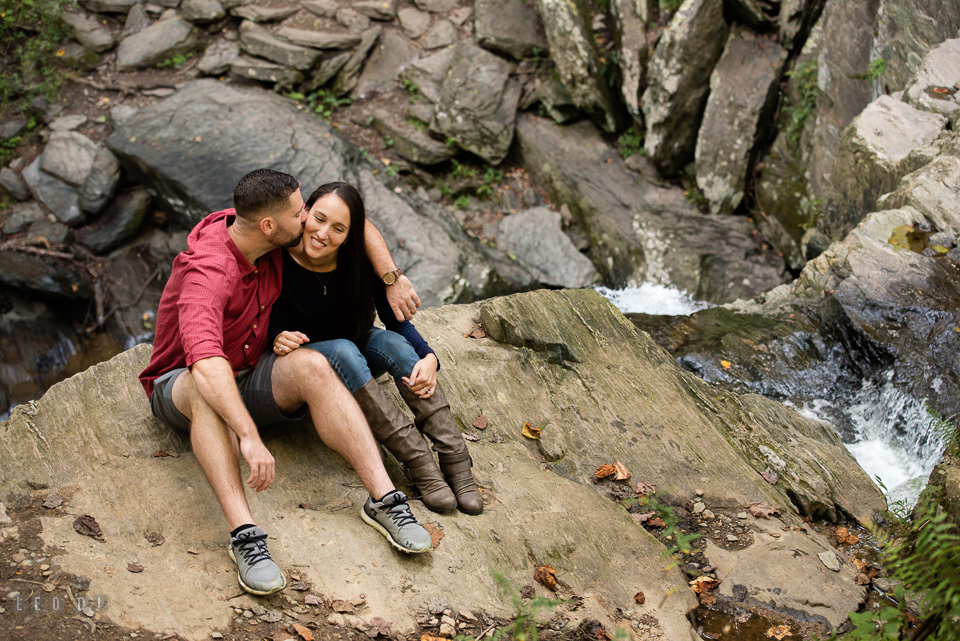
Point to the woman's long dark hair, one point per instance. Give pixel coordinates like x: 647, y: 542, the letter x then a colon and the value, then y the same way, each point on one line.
x: 357, y: 314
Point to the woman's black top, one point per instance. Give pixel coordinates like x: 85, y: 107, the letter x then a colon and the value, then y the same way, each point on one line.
x: 302, y: 307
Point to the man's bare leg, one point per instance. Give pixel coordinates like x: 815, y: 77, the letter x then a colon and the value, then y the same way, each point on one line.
x: 304, y: 376
x: 216, y: 449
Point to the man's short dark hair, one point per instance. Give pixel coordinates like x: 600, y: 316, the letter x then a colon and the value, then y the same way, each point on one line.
x: 262, y: 191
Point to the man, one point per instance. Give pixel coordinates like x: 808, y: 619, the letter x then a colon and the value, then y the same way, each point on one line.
x: 209, y: 375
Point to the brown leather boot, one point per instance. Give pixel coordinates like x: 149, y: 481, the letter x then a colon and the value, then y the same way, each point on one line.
x: 394, y: 431
x: 434, y: 418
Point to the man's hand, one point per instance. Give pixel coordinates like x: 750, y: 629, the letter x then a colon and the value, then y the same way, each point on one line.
x: 260, y: 460
x: 403, y: 299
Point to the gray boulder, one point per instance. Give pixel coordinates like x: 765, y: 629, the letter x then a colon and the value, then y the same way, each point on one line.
x: 69, y: 156
x: 441, y: 34
x: 572, y: 50
x: 109, y: 6
x: 68, y: 123
x: 510, y: 27
x: 535, y: 237
x: 391, y: 55
x: 413, y: 22
x: 13, y: 183
x: 44, y: 231
x: 322, y: 8
x: 869, y: 159
x: 76, y: 56
x: 258, y: 42
x: 42, y: 275
x: 258, y: 14
x: 247, y: 68
x: 155, y: 44
x: 409, y: 142
x: 328, y: 69
x: 350, y: 73
x: 201, y: 11
x: 88, y: 32
x: 352, y: 20
x: 429, y: 72
x: 120, y: 222
x: 101, y: 182
x: 630, y: 34
x: 744, y: 90
x: 218, y: 57
x: 906, y: 31
x: 436, y: 6
x: 12, y: 128
x: 936, y: 83
x: 478, y: 103
x: 425, y: 240
x: 137, y: 19
x: 376, y: 9
x: 678, y: 81
x: 56, y: 195
x: 319, y: 39
x: 21, y: 217
x: 642, y: 231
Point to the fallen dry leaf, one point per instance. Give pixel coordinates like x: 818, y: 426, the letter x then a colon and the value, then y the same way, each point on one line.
x: 845, y: 537
x: 435, y: 534
x: 341, y: 606
x: 702, y: 583
x: 164, y: 454
x: 645, y: 487
x: 708, y: 598
x: 88, y: 526
x: 304, y: 633
x: 656, y: 522
x: 762, y: 510
x: 941, y: 90
x: 770, y: 476
x: 471, y: 437
x: 725, y: 364
x: 480, y: 423
x: 622, y: 472
x: 528, y: 592
x: 155, y: 538
x: 779, y: 632
x: 604, y: 471
x: 862, y: 579
x: 427, y: 637
x: 312, y: 599
x: 300, y: 586
x: 643, y: 518
x: 52, y: 502
x: 530, y: 431
x: 271, y: 616
x: 477, y: 333
x: 546, y: 576
x: 379, y: 627
x: 639, y: 598
x: 136, y: 568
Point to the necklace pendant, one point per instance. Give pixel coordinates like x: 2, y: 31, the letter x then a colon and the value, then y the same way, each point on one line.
x: 324, y: 290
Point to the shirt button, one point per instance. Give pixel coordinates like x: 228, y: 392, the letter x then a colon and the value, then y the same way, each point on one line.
x: 262, y: 307
x: 254, y: 325
x: 256, y: 271
x: 246, y: 347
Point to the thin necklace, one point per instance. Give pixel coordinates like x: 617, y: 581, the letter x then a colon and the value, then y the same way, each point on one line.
x: 329, y: 276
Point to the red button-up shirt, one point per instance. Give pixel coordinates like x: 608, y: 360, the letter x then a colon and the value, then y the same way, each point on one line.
x: 216, y: 303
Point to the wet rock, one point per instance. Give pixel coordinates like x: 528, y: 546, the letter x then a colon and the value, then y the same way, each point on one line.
x: 391, y: 55
x: 218, y: 57
x: 155, y: 44
x: 868, y: 159
x: 262, y: 71
x: 69, y: 156
x: 43, y: 275
x: 52, y: 232
x: 376, y: 9
x: 630, y: 34
x: 441, y: 34
x: 352, y: 20
x: 137, y: 19
x: 319, y: 39
x: 509, y: 27
x: 258, y: 14
x: 328, y: 69
x: 262, y: 43
x: 478, y: 103
x: 936, y: 85
x: 88, y: 32
x: 535, y: 237
x: 642, y: 232
x: 21, y: 217
x: 108, y: 6
x: 908, y: 30
x: 410, y: 143
x: 413, y: 21
x: 576, y: 60
x: 201, y: 11
x: 120, y: 222
x: 350, y: 73
x: 76, y: 56
x: 744, y: 88
x: 100, y: 183
x: 322, y: 8
x: 436, y: 6
x: 945, y: 486
x: 13, y: 183
x: 678, y: 81
x: 429, y: 72
x: 56, y: 195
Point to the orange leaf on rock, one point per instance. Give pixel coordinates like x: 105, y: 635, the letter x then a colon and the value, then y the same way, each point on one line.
x: 427, y: 637
x: 639, y: 598
x: 941, y: 90
x: 708, y: 598
x: 656, y: 522
x: 604, y: 471
x: 725, y: 364
x: 845, y: 537
x: 779, y: 632
x: 435, y: 534
x: 622, y: 472
x: 304, y: 633
x: 530, y: 431
x: 546, y: 576
x: 480, y: 423
x: 702, y: 583
x: 477, y: 333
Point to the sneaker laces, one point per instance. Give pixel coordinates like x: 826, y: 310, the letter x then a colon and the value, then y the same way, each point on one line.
x: 400, y: 513
x: 253, y: 548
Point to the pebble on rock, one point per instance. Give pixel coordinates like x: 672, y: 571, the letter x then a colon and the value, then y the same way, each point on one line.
x: 829, y: 560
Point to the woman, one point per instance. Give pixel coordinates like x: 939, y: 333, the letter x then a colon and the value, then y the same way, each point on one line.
x: 327, y: 303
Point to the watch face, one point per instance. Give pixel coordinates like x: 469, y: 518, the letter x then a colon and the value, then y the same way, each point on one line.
x: 389, y: 278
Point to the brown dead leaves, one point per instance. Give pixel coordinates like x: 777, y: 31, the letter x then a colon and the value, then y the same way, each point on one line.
x: 639, y: 598
x: 546, y: 576
x: 435, y: 534
x: 481, y: 422
x: 476, y: 333
x: 303, y: 632
x: 762, y: 510
x: 530, y: 431
x: 846, y: 537
x: 88, y: 526
x: 618, y: 471
x: 779, y: 632
x: 644, y: 488
x: 703, y: 583
x: 136, y: 568
x: 165, y: 454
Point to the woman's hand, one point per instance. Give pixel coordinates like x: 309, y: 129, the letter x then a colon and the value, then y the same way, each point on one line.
x: 286, y: 342
x: 423, y: 378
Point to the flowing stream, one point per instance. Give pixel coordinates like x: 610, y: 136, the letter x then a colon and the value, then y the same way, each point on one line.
x: 894, y: 436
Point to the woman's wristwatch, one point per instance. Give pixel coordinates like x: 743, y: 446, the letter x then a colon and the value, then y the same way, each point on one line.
x: 391, y: 277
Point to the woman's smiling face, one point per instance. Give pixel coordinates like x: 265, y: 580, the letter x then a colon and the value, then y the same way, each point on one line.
x: 328, y: 224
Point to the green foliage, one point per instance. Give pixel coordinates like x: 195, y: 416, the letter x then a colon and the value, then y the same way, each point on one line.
x: 322, y: 102
x: 391, y: 171
x: 805, y: 76
x: 416, y: 124
x: 491, y: 178
x: 602, y: 5
x: 461, y: 170
x: 610, y: 69
x: 631, y: 142
x: 9, y: 147
x: 412, y: 89
x: 875, y: 69
x: 948, y: 432
x: 525, y: 613
x: 462, y: 202
x: 30, y: 35
x: 693, y: 192
x: 537, y: 55
x: 682, y: 541
x: 451, y: 142
x: 670, y: 5
x: 388, y: 142
x: 174, y: 61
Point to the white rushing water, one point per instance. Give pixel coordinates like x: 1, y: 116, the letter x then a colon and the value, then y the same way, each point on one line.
x: 896, y: 439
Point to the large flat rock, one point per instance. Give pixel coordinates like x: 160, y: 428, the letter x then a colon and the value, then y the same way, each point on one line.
x: 155, y: 44
x: 92, y: 438
x: 510, y: 27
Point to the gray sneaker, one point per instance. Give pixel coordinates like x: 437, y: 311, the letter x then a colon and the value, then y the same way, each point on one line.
x: 256, y: 571
x: 391, y: 517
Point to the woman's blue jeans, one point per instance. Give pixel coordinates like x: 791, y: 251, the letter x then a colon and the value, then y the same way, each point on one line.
x: 384, y: 351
